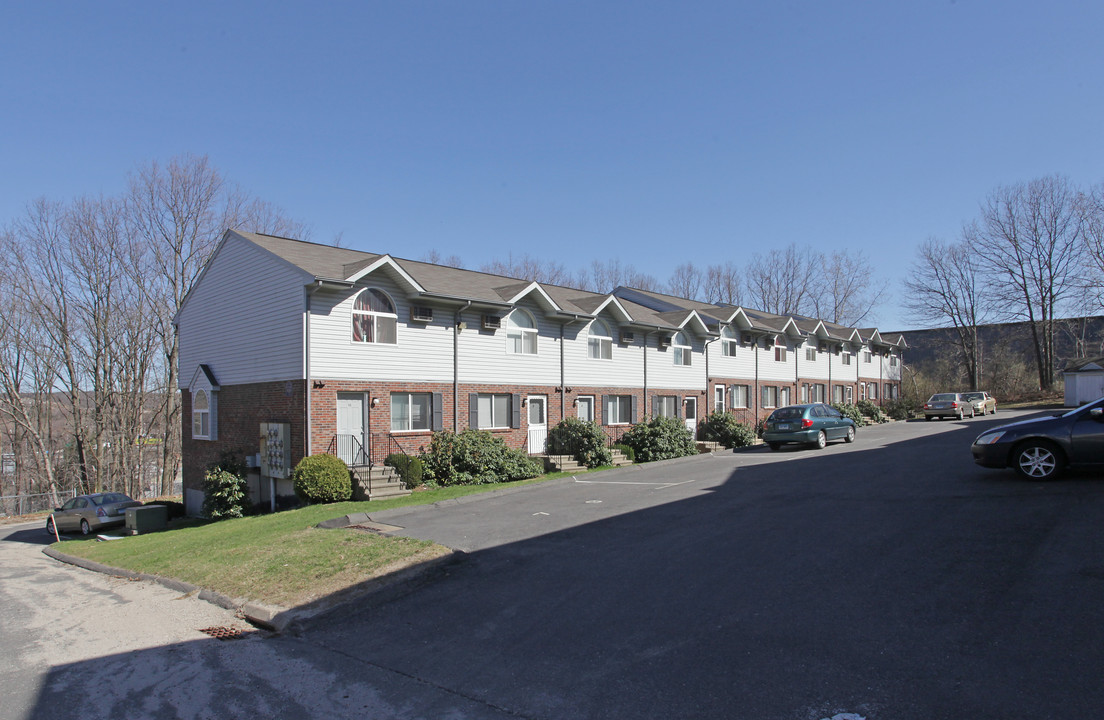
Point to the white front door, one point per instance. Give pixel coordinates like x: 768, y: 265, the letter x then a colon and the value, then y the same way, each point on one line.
x: 538, y: 423
x: 350, y: 428
x: 692, y: 416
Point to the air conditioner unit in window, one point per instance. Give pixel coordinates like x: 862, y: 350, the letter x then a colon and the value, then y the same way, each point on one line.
x: 665, y: 341
x: 746, y: 339
x: 627, y: 337
x: 419, y: 313
x: 492, y: 322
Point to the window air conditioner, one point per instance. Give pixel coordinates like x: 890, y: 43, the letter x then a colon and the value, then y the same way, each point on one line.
x: 665, y: 341
x: 419, y: 313
x: 627, y: 337
x: 492, y: 322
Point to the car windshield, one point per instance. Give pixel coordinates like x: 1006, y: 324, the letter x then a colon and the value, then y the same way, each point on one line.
x: 1095, y: 403
x: 790, y: 413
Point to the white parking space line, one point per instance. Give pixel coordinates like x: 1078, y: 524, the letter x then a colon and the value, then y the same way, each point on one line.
x: 627, y: 482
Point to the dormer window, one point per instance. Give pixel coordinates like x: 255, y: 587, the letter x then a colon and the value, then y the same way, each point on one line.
x: 201, y: 416
x: 521, y: 333
x: 730, y: 340
x: 599, y: 341
x: 374, y: 318
x: 683, y: 351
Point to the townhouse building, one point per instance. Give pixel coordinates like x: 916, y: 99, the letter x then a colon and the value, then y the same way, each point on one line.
x: 363, y: 355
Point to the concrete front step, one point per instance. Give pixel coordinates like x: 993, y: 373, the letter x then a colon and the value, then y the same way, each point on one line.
x: 376, y: 482
x: 566, y: 463
x: 708, y: 446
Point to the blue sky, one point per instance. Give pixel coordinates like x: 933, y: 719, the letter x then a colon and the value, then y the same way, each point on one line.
x: 653, y: 132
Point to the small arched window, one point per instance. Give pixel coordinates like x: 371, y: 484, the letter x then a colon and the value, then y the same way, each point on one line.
x: 599, y: 341
x: 681, y: 344
x: 201, y: 416
x: 521, y: 333
x: 374, y: 318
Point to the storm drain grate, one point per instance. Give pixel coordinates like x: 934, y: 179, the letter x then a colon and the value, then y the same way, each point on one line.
x: 223, y: 633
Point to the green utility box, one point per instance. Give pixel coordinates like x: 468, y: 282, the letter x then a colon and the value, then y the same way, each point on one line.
x: 146, y: 518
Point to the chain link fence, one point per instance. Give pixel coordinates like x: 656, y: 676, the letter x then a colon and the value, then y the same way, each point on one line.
x: 12, y: 505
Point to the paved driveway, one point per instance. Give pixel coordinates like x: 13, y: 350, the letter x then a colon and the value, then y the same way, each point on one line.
x: 886, y: 579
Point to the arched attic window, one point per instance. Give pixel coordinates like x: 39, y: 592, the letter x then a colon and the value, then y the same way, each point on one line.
x: 374, y: 318
x: 683, y: 350
x: 599, y: 341
x: 521, y: 333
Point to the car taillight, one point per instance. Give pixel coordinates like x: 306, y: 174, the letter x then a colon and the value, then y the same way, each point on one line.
x: 927, y: 406
x: 954, y: 405
x: 806, y: 423
x: 100, y: 512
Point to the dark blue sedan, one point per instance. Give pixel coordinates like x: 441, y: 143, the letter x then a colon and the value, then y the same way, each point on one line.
x: 1042, y: 448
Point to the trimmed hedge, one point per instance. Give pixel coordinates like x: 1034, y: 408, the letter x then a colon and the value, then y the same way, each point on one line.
x: 475, y: 457
x: 322, y: 479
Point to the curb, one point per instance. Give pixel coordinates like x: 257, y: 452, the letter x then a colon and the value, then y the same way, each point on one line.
x: 274, y: 617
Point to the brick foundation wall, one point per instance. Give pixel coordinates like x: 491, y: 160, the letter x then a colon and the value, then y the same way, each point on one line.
x: 241, y: 410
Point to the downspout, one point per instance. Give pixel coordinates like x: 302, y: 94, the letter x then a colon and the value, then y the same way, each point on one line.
x: 709, y: 399
x: 563, y: 372
x: 758, y: 399
x: 456, y: 367
x: 311, y: 289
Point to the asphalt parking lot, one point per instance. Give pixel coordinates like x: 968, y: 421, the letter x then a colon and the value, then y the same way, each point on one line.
x: 886, y: 579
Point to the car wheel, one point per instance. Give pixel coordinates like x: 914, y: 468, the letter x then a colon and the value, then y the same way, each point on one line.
x: 850, y: 436
x: 821, y: 440
x: 86, y: 529
x: 775, y: 446
x: 50, y: 525
x: 1037, y: 460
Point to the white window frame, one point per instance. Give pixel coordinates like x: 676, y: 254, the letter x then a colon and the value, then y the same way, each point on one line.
x: 494, y: 401
x: 683, y: 350
x: 783, y: 396
x: 521, y: 339
x: 599, y: 341
x: 845, y: 358
x: 730, y: 341
x: 779, y: 353
x: 380, y: 321
x: 408, y: 398
x: 719, y: 394
x: 667, y: 406
x: 740, y: 397
x: 201, y: 416
x: 769, y: 396
x: 623, y: 404
x: 811, y: 353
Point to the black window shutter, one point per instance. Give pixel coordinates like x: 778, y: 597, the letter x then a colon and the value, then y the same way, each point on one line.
x: 473, y: 410
x: 438, y: 412
x: 602, y: 413
x: 655, y: 405
x: 515, y: 411
x: 632, y: 409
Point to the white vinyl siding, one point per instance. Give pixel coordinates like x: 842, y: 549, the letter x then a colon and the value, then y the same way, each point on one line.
x: 244, y: 318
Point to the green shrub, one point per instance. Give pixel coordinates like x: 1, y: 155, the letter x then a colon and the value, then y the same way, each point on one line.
x: 409, y: 468
x: 850, y: 411
x: 660, y: 438
x: 627, y: 451
x: 872, y: 411
x: 724, y: 428
x: 899, y: 409
x: 475, y: 457
x: 322, y: 479
x: 584, y: 441
x: 223, y: 494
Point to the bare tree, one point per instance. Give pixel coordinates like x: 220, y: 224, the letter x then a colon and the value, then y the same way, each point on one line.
x: 846, y: 292
x: 1092, y: 208
x: 1029, y: 238
x: 605, y: 276
x: 434, y: 256
x: 528, y: 267
x: 943, y: 287
x: 722, y: 284
x: 176, y: 215
x: 685, y: 281
x: 782, y: 281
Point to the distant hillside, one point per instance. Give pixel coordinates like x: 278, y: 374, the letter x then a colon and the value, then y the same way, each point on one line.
x: 1075, y: 338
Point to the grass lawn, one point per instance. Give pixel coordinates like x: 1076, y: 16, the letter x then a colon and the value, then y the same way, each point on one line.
x: 279, y: 559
